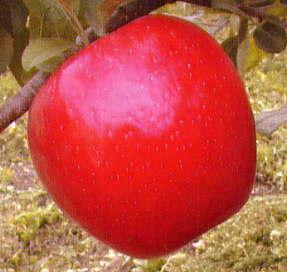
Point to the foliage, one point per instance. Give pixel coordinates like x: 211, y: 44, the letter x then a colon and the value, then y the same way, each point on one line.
x: 51, y: 26
x: 13, y: 18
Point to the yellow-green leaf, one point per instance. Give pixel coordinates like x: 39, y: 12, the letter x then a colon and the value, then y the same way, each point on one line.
x: 278, y: 9
x: 49, y: 19
x: 249, y: 55
x: 40, y: 50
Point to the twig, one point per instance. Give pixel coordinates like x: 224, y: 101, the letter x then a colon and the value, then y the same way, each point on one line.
x: 20, y: 103
x: 262, y: 15
x: 136, y: 8
x: 131, y: 10
x: 17, y: 105
x: 75, y: 21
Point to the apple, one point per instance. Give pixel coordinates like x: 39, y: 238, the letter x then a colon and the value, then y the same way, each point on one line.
x: 146, y: 137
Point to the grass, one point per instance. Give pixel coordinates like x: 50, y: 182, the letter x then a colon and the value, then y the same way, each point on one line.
x: 36, y: 236
x: 267, y: 88
x: 253, y: 240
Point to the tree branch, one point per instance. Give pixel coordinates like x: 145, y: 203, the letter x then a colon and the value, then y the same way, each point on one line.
x: 269, y: 121
x: 17, y: 105
x: 20, y: 103
x: 136, y: 8
x: 262, y: 15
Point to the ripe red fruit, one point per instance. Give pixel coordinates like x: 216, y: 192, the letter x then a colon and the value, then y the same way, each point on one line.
x: 146, y: 137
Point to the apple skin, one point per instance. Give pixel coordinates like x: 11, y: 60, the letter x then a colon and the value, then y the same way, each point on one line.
x: 146, y: 137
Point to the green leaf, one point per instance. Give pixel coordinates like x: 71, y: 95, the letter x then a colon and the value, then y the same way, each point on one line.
x: 89, y: 8
x: 230, y: 46
x: 249, y: 55
x: 98, y: 12
x: 223, y: 3
x: 6, y: 49
x: 51, y: 64
x: 278, y: 9
x: 13, y: 17
x: 229, y: 6
x: 270, y: 37
x: 48, y: 18
x: 43, y: 49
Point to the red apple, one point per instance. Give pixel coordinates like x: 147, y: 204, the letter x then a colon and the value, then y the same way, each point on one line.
x: 146, y: 137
